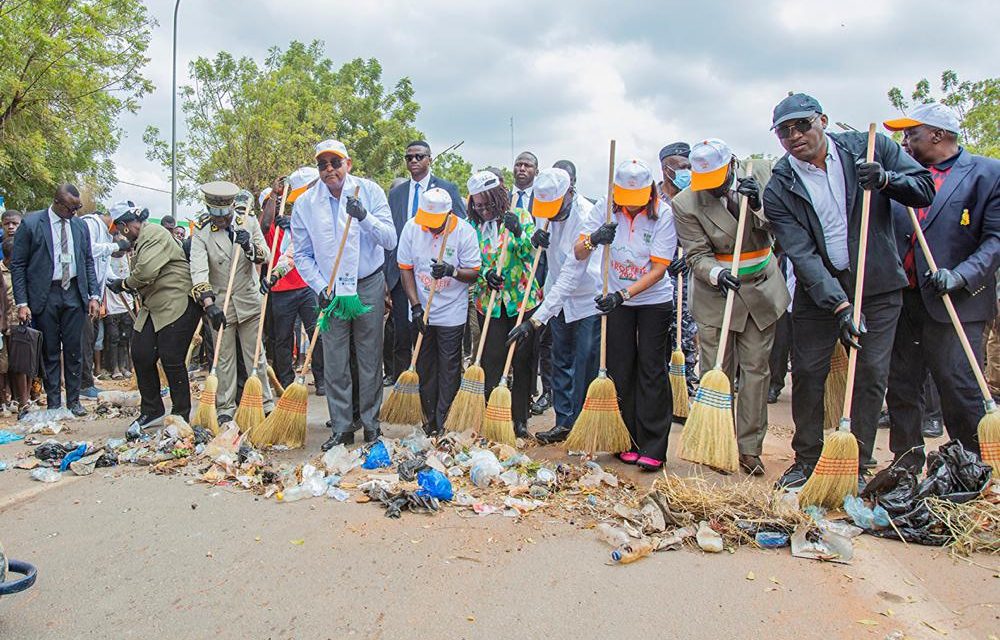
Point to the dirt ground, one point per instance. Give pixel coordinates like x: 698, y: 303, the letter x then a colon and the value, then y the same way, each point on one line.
x: 127, y: 554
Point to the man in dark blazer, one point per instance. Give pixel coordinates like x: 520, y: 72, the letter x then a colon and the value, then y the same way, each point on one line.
x: 962, y: 227
x: 54, y: 282
x: 403, y: 201
x: 813, y: 202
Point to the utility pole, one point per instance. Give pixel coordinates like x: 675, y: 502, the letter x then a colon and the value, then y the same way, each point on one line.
x: 173, y: 124
x: 512, y: 141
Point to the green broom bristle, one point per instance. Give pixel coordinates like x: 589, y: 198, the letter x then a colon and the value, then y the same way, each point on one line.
x: 989, y: 440
x: 709, y: 435
x: 206, y: 415
x: 342, y: 308
x: 836, y: 474
x: 403, y: 404
x: 250, y: 412
x: 600, y: 427
x: 835, y: 388
x: 497, y: 423
x: 678, y: 384
x: 287, y: 423
x: 469, y: 405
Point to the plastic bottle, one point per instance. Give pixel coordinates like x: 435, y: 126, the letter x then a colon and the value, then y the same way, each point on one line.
x: 627, y: 554
x: 298, y: 492
x: 614, y: 536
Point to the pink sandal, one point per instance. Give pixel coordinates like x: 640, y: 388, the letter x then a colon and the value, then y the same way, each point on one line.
x: 649, y: 464
x: 628, y: 457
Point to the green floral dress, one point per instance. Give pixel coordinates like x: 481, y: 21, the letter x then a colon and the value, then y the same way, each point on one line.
x: 520, y: 255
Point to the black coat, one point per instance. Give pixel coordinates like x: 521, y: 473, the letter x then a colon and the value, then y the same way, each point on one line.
x: 797, y: 227
x: 32, y: 264
x: 962, y: 229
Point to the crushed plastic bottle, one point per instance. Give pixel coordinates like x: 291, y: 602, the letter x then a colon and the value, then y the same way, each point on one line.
x: 485, y: 467
x: 627, y: 554
x: 614, y: 536
x: 44, y: 474
x: 337, y: 494
x: 545, y: 476
x: 298, y: 492
x: 771, y: 539
x: 313, y: 480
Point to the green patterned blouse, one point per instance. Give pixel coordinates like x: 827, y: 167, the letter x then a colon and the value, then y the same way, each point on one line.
x: 515, y: 272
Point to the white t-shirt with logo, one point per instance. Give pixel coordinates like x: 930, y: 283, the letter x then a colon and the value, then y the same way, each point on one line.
x: 638, y: 243
x: 418, y: 246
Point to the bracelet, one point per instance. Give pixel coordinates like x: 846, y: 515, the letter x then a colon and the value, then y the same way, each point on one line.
x: 625, y: 295
x: 886, y: 183
x: 588, y: 245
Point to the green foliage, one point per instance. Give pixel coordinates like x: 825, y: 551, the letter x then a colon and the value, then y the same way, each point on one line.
x: 249, y: 123
x: 452, y: 167
x: 977, y: 104
x: 70, y: 67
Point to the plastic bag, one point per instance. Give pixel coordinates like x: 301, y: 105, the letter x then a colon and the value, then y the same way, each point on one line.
x: 46, y: 475
x: 417, y: 441
x: 434, y: 484
x: 408, y: 470
x: 73, y: 456
x: 484, y: 467
x: 7, y: 437
x: 339, y: 460
x: 378, y: 457
x: 867, y: 519
x: 313, y: 480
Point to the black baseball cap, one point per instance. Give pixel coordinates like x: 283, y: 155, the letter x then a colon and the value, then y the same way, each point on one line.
x: 675, y: 149
x: 794, y: 107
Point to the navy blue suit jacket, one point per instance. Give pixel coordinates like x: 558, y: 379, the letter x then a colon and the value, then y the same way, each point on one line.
x: 398, y: 199
x: 968, y: 244
x: 32, y: 263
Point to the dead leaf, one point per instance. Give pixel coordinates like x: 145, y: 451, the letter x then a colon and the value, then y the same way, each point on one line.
x: 888, y: 613
x: 867, y: 622
x: 933, y: 628
x: 751, y: 576
x: 298, y: 542
x: 470, y: 618
x: 774, y: 580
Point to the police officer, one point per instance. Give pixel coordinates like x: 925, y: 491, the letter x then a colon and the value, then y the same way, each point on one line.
x: 220, y: 236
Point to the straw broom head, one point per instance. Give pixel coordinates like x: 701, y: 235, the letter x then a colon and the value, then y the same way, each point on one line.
x: 287, y: 423
x: 250, y: 413
x: 600, y: 427
x: 497, y: 423
x: 836, y: 474
x: 989, y: 440
x: 272, y: 378
x: 836, y: 387
x: 678, y: 384
x: 205, y: 415
x: 709, y: 435
x: 469, y: 405
x: 403, y: 404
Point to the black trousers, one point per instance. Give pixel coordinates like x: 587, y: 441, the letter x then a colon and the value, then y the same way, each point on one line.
x: 61, y: 324
x: 117, y: 334
x: 636, y: 350
x: 403, y: 335
x: 439, y: 366
x: 783, y: 335
x: 923, y: 344
x: 88, y: 338
x: 522, y: 372
x: 169, y: 345
x: 286, y: 306
x: 815, y: 332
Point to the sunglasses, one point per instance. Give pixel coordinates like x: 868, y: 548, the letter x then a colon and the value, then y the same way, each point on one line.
x: 333, y: 164
x: 802, y: 126
x: 410, y: 157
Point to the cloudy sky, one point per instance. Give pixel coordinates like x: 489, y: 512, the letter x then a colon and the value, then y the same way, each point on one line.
x: 574, y: 74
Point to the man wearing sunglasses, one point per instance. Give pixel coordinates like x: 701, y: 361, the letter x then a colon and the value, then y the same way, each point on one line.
x: 813, y: 202
x: 52, y: 272
x: 403, y: 201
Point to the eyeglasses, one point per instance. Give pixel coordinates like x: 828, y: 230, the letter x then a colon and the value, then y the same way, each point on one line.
x: 802, y: 126
x: 410, y: 157
x: 333, y: 164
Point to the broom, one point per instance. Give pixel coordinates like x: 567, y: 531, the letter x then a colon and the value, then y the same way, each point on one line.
x: 836, y: 386
x: 403, y: 404
x: 195, y: 343
x: 600, y: 427
x: 709, y: 436
x: 989, y: 425
x: 469, y: 405
x: 287, y: 423
x: 206, y: 415
x: 276, y: 385
x: 678, y: 367
x: 498, y: 425
x: 250, y: 413
x: 836, y: 474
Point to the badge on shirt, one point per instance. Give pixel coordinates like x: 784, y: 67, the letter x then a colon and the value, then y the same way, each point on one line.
x: 965, y: 218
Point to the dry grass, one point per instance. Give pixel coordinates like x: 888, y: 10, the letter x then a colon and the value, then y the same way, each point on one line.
x: 974, y: 527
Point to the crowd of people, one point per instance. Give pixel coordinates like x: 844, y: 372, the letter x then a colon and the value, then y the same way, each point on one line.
x: 534, y: 265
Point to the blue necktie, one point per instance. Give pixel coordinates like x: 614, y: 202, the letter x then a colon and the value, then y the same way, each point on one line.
x: 416, y: 199
x: 520, y: 200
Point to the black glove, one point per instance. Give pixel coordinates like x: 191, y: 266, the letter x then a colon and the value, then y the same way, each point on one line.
x: 605, y: 234
x: 117, y: 285
x: 283, y: 222
x: 677, y: 267
x: 324, y: 299
x: 417, y: 318
x: 606, y: 304
x: 513, y: 223
x: 242, y: 238
x: 850, y: 334
x: 871, y: 175
x: 215, y: 316
x: 441, y: 269
x: 267, y: 283
x: 540, y: 238
x: 748, y: 187
x: 494, y: 280
x: 123, y: 244
x: 520, y: 332
x: 727, y: 281
x: 946, y: 281
x: 355, y: 209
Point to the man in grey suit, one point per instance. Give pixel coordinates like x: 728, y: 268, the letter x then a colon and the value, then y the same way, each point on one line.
x: 403, y: 199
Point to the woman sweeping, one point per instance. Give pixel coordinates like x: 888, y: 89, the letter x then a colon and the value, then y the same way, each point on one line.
x: 489, y: 202
x: 641, y: 239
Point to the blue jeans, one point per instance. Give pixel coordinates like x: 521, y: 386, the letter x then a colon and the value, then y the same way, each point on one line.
x: 574, y: 364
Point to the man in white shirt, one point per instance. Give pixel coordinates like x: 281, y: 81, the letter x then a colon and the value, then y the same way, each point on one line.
x: 102, y: 245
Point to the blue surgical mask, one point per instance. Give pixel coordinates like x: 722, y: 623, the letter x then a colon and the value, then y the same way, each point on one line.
x: 682, y: 179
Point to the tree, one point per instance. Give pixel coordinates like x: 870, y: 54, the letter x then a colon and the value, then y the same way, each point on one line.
x: 70, y: 67
x: 977, y: 104
x: 452, y: 167
x: 249, y: 124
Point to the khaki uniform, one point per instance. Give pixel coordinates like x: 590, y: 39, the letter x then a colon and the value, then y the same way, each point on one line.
x: 159, y: 273
x: 707, y: 231
x: 212, y: 253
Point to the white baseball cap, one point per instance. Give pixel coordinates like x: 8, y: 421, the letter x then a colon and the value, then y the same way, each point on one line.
x: 263, y: 196
x: 709, y: 164
x: 335, y: 147
x: 482, y: 181
x: 933, y: 114
x: 633, y: 180
x: 434, y: 206
x: 549, y: 189
x: 299, y: 181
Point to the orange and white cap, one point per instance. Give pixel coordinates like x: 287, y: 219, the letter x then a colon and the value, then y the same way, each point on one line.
x: 434, y: 207
x: 335, y: 147
x: 262, y: 198
x: 709, y: 164
x: 549, y: 189
x: 633, y: 180
x: 299, y: 181
x: 933, y: 114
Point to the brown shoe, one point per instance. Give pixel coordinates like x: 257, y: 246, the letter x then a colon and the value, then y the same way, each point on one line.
x: 751, y: 464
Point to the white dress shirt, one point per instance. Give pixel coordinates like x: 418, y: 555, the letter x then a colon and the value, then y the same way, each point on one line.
x: 56, y: 223
x: 424, y: 185
x: 828, y: 192
x: 525, y: 199
x: 118, y: 268
x: 101, y: 247
x: 571, y: 284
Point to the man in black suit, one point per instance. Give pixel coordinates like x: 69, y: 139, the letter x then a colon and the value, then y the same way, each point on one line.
x: 813, y: 202
x: 403, y: 199
x: 962, y: 227
x: 52, y: 273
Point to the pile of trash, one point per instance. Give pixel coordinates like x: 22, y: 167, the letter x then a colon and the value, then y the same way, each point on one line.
x: 51, y: 458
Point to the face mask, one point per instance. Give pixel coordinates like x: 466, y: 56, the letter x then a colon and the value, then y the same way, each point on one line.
x: 682, y: 179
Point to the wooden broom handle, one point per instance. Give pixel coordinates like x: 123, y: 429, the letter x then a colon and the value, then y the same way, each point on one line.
x: 950, y: 307
x: 727, y: 314
x: 859, y: 284
x: 128, y: 307
x: 524, y: 301
x: 270, y: 267
x: 493, y: 298
x: 680, y: 299
x: 190, y: 351
x: 225, y: 304
x: 430, y: 294
x: 606, y: 258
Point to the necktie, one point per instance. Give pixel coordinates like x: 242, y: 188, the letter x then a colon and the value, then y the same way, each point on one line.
x: 64, y: 254
x: 520, y: 200
x: 416, y: 199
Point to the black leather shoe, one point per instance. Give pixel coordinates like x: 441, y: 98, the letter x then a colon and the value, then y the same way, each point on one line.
x: 751, y: 464
x: 544, y: 402
x: 387, y: 381
x: 884, y: 421
x: 794, y: 476
x: 321, y: 389
x: 772, y: 395
x: 930, y: 429
x: 521, y: 430
x: 338, y: 438
x: 372, y: 436
x: 432, y: 429
x: 77, y: 410
x: 553, y: 435
x: 144, y: 421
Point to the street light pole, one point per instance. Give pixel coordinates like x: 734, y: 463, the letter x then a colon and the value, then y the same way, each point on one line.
x: 173, y: 124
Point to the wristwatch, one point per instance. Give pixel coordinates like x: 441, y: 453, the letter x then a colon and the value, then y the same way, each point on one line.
x: 626, y: 295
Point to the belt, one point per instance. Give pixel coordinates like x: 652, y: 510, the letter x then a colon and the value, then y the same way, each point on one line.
x: 58, y: 282
x: 371, y: 275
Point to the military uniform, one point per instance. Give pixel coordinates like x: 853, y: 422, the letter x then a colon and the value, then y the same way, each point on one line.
x: 212, y: 250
